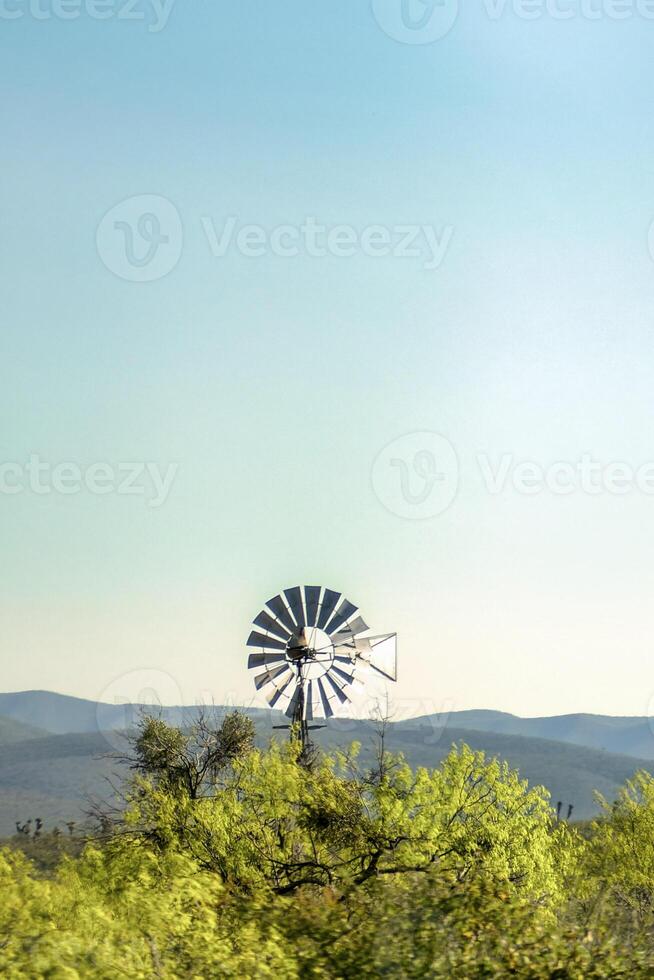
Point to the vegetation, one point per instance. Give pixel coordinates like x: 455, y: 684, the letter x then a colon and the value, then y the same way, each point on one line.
x: 232, y: 861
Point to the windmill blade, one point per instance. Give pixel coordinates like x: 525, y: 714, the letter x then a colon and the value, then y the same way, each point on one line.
x: 265, y: 659
x: 345, y: 669
x: 278, y: 607
x: 352, y: 629
x: 342, y: 639
x: 277, y: 694
x: 347, y: 673
x: 308, y: 701
x: 312, y: 603
x: 320, y: 706
x: 264, y: 642
x: 271, y: 625
x: 338, y: 691
x: 344, y: 612
x: 357, y: 626
x: 291, y: 708
x: 328, y: 605
x: 353, y: 647
x: 270, y: 676
x: 327, y: 709
x: 294, y: 599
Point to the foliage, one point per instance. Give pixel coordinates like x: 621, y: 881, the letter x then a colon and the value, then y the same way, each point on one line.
x: 262, y: 867
x: 622, y: 847
x: 47, y: 848
x: 187, y: 762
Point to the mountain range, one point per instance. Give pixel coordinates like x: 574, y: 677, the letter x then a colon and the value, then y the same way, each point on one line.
x: 60, y: 714
x: 59, y: 752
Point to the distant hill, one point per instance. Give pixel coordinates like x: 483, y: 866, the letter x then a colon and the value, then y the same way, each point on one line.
x: 54, y: 713
x: 53, y: 777
x: 17, y: 731
x: 624, y: 735
x: 56, y: 751
x: 60, y: 714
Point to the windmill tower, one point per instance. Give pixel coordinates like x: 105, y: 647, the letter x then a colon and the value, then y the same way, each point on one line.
x: 312, y: 649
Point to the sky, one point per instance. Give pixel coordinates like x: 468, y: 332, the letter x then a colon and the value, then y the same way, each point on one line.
x: 442, y: 409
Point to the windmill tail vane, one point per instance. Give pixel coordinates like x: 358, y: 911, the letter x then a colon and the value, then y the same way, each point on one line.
x: 312, y: 650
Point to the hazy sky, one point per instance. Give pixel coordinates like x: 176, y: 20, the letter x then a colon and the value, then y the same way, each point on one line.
x: 274, y: 381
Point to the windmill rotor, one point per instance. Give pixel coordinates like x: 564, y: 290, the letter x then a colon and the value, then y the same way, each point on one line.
x: 311, y: 650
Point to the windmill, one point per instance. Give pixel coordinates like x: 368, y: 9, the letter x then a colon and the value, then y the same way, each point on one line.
x: 312, y: 649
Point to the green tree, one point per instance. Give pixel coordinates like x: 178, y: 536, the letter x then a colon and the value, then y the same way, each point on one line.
x: 190, y: 761
x: 272, y: 823
x: 621, y: 851
x: 263, y: 868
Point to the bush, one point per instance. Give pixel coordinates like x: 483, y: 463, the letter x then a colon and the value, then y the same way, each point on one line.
x: 267, y: 868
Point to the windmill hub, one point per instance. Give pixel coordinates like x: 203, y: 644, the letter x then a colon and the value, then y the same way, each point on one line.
x: 309, y: 642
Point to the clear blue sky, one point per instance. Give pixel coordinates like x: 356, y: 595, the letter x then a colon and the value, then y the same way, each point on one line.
x: 274, y: 382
